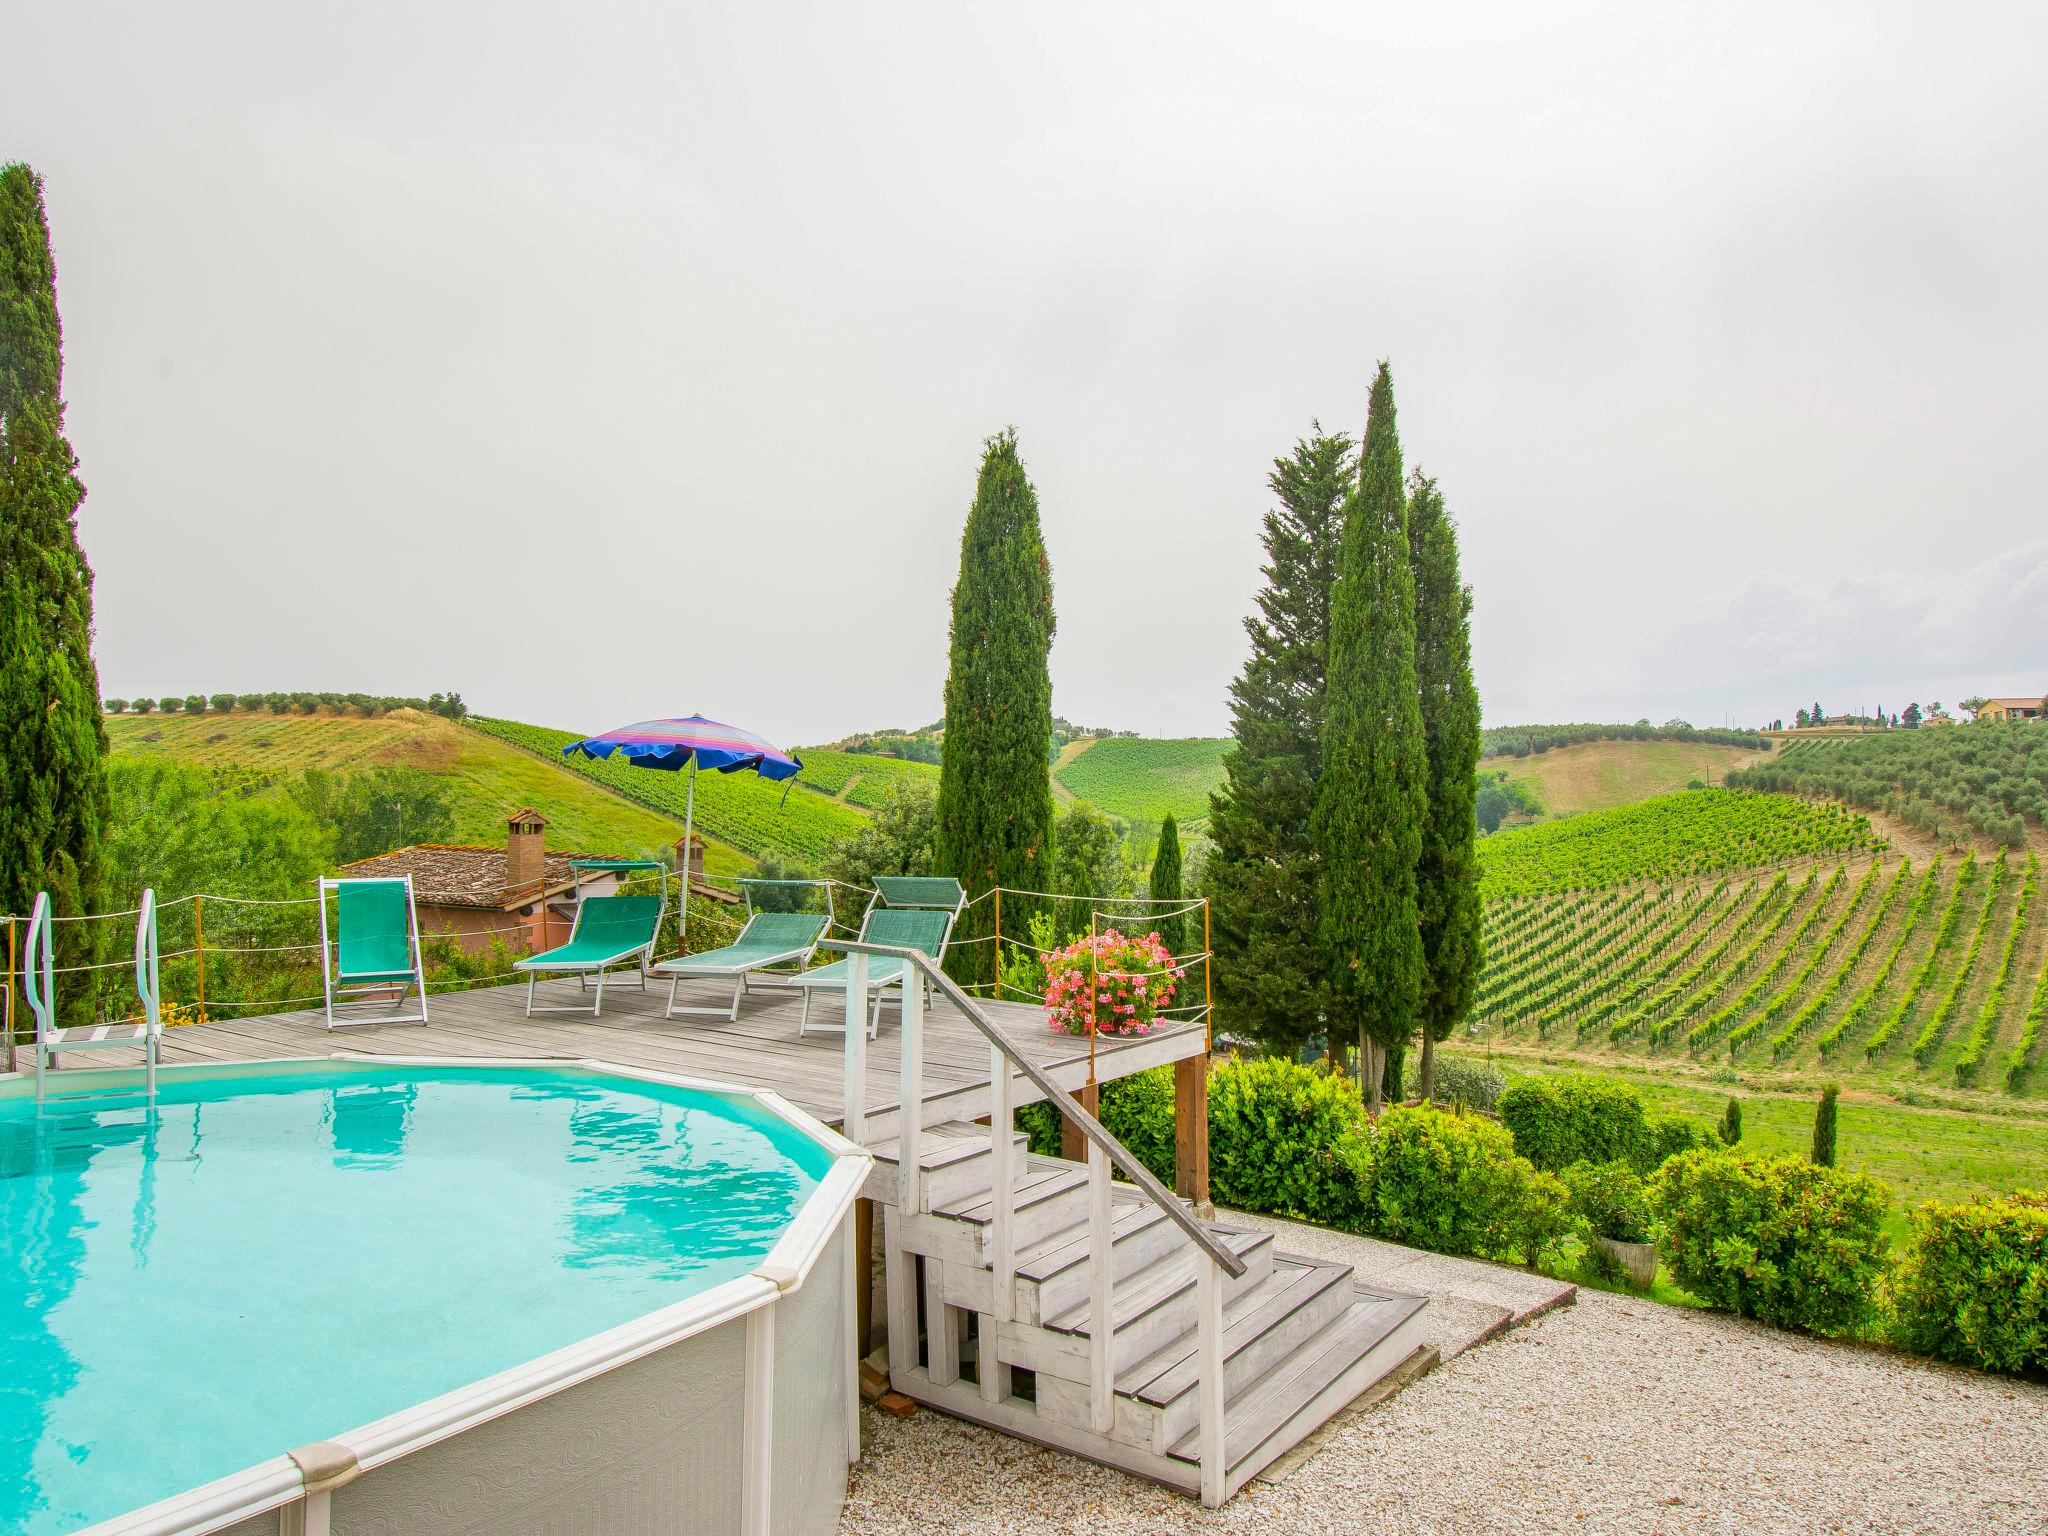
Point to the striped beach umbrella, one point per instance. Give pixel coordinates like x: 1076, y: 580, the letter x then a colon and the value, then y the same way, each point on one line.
x: 691, y: 742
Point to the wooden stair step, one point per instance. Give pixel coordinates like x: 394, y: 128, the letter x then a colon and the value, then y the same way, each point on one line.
x: 1158, y: 1283
x: 1257, y: 1415
x: 1292, y: 1288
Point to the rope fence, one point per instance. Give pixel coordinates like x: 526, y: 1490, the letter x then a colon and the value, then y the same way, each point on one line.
x: 259, y: 966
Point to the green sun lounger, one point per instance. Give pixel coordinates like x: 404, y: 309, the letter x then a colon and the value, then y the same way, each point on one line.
x: 769, y: 939
x: 374, y: 951
x: 611, y: 932
x: 904, y: 928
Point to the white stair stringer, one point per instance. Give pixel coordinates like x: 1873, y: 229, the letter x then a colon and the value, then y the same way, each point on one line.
x: 1302, y: 1338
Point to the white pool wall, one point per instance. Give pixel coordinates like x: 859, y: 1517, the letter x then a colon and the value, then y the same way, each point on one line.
x: 712, y: 1417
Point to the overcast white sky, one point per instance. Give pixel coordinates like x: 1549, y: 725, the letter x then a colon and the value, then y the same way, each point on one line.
x: 607, y: 367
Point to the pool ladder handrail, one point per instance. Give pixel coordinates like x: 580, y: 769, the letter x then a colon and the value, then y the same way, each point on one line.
x: 1215, y: 1258
x: 38, y: 981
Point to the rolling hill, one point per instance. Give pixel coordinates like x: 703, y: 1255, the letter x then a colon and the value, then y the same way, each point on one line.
x: 489, y: 778
x: 1139, y: 778
x: 1599, y: 775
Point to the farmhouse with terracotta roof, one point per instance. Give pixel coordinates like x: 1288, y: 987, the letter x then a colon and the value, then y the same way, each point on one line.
x: 2013, y: 709
x: 522, y: 893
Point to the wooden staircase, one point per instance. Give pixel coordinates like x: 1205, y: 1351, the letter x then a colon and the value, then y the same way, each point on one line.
x: 1300, y: 1338
x: 1041, y: 1298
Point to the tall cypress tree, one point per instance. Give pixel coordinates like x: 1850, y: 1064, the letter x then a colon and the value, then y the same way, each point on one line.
x: 1165, y: 891
x: 1447, y: 875
x: 995, y: 799
x: 53, y: 746
x: 1372, y: 802
x: 1270, y: 980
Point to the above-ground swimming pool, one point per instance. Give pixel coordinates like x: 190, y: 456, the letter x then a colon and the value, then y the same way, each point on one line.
x: 286, y: 1254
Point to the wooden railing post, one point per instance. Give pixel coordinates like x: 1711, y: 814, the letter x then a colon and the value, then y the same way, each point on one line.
x: 910, y: 1096
x: 855, y: 1124
x: 1101, y: 1277
x: 1209, y: 1377
x: 1003, y: 1255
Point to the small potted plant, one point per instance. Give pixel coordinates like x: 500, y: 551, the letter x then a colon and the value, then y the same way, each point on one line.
x: 1117, y: 982
x: 1608, y: 1197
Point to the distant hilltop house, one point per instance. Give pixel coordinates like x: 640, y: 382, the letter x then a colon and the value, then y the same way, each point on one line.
x: 2013, y: 709
x: 522, y: 893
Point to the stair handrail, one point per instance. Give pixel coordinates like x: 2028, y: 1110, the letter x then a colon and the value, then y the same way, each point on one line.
x: 39, y: 964
x: 1090, y: 1127
x: 1214, y: 1258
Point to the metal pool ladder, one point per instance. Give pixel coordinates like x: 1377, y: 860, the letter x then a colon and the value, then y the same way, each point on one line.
x: 39, y: 982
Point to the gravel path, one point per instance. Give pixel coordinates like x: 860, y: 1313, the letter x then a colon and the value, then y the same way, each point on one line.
x: 1612, y: 1415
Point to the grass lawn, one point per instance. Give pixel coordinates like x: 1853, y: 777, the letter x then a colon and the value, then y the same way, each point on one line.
x: 1597, y: 775
x: 1922, y: 1153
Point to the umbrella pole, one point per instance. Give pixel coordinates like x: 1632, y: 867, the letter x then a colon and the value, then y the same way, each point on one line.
x: 689, y: 845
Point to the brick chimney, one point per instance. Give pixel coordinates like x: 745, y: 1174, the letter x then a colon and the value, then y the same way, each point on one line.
x: 526, y: 837
x: 694, y: 863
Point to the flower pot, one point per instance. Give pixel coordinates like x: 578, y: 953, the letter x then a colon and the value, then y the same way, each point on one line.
x: 1636, y: 1260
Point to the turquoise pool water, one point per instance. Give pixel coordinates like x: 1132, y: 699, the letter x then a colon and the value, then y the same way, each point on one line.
x: 280, y: 1259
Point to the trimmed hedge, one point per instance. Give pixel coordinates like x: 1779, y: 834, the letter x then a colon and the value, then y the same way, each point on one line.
x: 1973, y: 1286
x: 1275, y: 1129
x: 1576, y: 1118
x: 1454, y: 1183
x: 1774, y: 1238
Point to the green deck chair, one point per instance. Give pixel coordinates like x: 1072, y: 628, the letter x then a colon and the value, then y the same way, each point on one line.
x: 610, y: 932
x: 912, y: 928
x: 769, y: 939
x: 375, y: 950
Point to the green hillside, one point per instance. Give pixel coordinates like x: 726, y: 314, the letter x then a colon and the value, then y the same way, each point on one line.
x: 489, y: 779
x: 860, y: 778
x: 1142, y: 779
x: 743, y: 809
x: 1694, y: 832
x: 1987, y: 782
x: 1904, y: 976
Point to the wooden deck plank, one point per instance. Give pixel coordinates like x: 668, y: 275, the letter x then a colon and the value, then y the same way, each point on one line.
x: 761, y: 1049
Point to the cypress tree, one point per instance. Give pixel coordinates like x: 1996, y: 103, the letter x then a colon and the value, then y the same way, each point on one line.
x: 1372, y: 802
x: 53, y: 744
x: 1447, y: 875
x: 1269, y: 977
x: 1824, y: 1127
x: 995, y: 799
x: 1731, y: 1121
x: 1164, y: 889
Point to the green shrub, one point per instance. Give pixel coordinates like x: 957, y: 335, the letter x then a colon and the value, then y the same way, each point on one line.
x: 1472, y: 1084
x: 1824, y: 1127
x: 222, y: 703
x: 1673, y: 1134
x: 1274, y: 1129
x: 1973, y: 1286
x: 1576, y: 1118
x: 114, y: 706
x: 170, y: 706
x: 1609, y: 1198
x: 195, y: 703
x: 1136, y: 1110
x: 1453, y: 1183
x: 1139, y: 1112
x: 1731, y: 1121
x: 1534, y: 1215
x: 143, y: 706
x: 1778, y: 1239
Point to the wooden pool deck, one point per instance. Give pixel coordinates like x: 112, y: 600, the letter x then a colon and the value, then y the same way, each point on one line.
x: 762, y: 1049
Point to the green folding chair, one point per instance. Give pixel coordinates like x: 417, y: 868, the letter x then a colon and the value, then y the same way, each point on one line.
x: 611, y: 932
x: 769, y: 939
x: 375, y: 949
x: 920, y: 929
